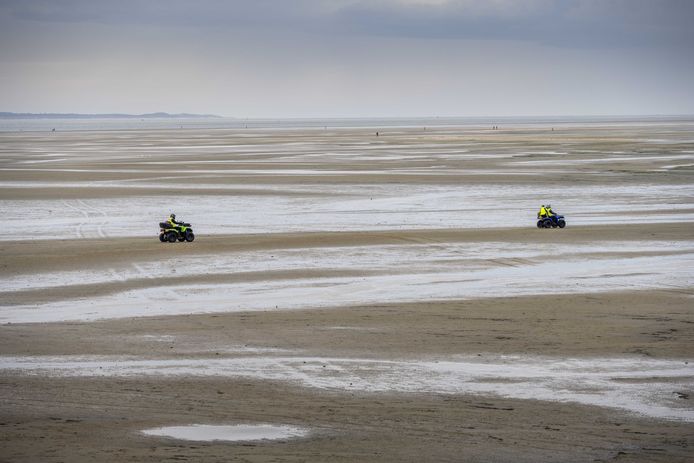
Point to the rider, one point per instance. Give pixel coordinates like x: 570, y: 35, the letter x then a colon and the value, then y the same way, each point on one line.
x: 543, y: 212
x: 172, y: 221
x: 550, y: 212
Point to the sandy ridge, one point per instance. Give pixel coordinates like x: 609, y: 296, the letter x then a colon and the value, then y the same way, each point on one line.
x: 43, y: 255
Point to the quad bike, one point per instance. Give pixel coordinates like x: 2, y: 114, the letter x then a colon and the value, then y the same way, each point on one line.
x: 552, y: 222
x: 172, y: 233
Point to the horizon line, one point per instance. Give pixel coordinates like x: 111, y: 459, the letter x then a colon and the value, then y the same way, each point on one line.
x: 164, y: 114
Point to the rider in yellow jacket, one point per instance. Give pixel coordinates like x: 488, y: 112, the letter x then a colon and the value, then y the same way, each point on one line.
x: 543, y: 212
x: 172, y: 221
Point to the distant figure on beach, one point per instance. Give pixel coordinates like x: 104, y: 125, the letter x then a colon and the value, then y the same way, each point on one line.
x: 376, y: 133
x: 53, y: 130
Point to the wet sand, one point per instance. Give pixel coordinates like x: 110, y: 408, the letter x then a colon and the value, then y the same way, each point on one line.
x: 363, y: 378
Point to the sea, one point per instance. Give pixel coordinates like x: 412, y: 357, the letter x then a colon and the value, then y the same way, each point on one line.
x: 109, y: 124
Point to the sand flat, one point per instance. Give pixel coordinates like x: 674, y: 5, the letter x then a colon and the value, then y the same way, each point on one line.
x: 391, y: 294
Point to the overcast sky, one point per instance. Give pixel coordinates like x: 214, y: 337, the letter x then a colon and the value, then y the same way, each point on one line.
x: 348, y: 58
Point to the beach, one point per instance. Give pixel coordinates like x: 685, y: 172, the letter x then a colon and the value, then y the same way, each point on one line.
x: 389, y: 294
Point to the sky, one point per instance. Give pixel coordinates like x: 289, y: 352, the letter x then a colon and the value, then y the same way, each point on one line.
x: 348, y: 58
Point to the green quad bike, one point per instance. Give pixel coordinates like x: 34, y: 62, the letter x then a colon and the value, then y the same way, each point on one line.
x: 170, y: 233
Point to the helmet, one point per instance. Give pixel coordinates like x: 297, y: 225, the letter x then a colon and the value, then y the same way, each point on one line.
x: 173, y: 216
x: 549, y: 206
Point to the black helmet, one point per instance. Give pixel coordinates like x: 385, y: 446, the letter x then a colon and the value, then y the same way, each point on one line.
x: 173, y: 216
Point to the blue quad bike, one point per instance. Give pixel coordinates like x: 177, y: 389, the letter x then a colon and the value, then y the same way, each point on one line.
x: 552, y: 222
x: 171, y: 234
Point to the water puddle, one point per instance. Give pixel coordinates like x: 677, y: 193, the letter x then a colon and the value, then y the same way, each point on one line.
x: 232, y: 433
x: 648, y: 387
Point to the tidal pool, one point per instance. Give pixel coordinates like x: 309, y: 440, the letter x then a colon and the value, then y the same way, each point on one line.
x: 232, y: 433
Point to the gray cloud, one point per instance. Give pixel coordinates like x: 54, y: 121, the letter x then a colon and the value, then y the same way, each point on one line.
x: 348, y: 57
x: 567, y: 23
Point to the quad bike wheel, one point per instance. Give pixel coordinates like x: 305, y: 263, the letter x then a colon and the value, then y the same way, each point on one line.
x: 547, y: 223
x: 539, y: 224
x: 561, y: 223
x: 171, y: 237
x: 162, y: 238
x: 190, y: 236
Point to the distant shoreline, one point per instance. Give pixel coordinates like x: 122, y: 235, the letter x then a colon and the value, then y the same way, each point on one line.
x: 375, y: 119
x: 157, y: 115
x: 43, y: 123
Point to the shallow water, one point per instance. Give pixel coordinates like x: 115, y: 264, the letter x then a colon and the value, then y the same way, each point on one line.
x: 345, y: 207
x: 569, y: 275
x: 642, y: 386
x: 232, y: 433
x: 385, y: 259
